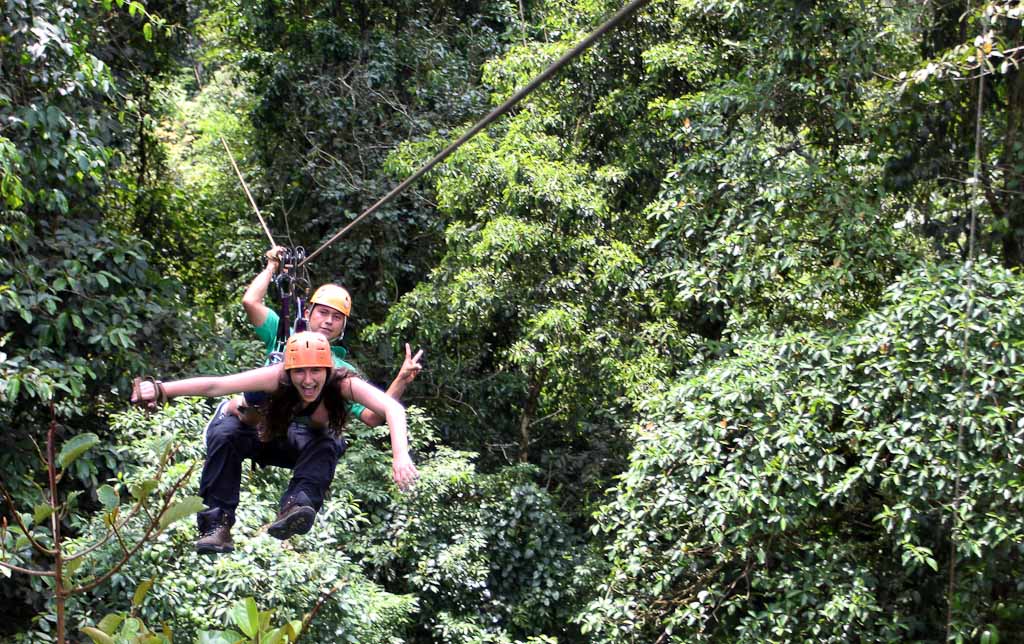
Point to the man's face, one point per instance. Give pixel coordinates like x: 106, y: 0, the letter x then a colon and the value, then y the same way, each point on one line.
x: 330, y: 322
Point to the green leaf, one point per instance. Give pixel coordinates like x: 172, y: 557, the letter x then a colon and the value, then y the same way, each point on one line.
x: 147, y: 31
x: 130, y: 628
x: 273, y: 637
x: 246, y: 616
x: 141, y: 490
x: 110, y: 622
x: 294, y: 628
x: 13, y: 386
x: 140, y: 592
x: 186, y: 507
x: 41, y: 513
x: 108, y: 496
x: 990, y: 635
x: 75, y: 447
x: 220, y: 637
x: 54, y: 118
x: 62, y: 201
x: 98, y: 636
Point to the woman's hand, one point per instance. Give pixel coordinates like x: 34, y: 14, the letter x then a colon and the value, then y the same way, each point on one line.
x: 404, y: 472
x: 148, y: 393
x: 402, y: 469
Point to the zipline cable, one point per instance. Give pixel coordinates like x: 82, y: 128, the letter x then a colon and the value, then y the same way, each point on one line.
x: 609, y: 24
x: 231, y: 158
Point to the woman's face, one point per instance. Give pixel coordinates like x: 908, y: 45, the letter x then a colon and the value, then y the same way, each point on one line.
x: 309, y: 381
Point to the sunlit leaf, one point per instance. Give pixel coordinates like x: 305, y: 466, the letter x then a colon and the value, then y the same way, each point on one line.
x: 142, y: 490
x: 41, y: 513
x: 274, y: 636
x: 108, y: 496
x: 184, y: 508
x: 220, y: 637
x: 245, y: 615
x: 75, y: 447
x: 98, y: 636
x: 140, y: 592
x: 110, y: 622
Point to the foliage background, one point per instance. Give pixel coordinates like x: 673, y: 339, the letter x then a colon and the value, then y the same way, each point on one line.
x: 722, y: 323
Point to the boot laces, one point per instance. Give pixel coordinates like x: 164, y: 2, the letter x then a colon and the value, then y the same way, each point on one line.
x: 213, y: 528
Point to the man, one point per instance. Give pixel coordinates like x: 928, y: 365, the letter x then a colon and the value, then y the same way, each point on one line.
x: 312, y: 457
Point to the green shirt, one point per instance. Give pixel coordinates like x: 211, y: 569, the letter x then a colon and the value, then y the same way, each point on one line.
x: 268, y: 335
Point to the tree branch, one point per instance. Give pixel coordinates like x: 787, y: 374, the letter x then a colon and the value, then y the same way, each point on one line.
x: 308, y: 619
x: 139, y: 505
x: 145, y: 538
x: 17, y: 517
x: 28, y: 571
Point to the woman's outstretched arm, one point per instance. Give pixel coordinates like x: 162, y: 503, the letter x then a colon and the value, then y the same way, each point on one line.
x: 402, y: 468
x: 262, y: 379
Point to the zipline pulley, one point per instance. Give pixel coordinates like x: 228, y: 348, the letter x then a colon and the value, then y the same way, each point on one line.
x: 292, y: 282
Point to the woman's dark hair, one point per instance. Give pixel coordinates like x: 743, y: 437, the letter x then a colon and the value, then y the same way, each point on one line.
x: 281, y: 406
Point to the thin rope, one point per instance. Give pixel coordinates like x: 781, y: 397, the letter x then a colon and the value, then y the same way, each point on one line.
x: 968, y: 314
x: 522, y: 20
x: 231, y: 158
x: 621, y: 15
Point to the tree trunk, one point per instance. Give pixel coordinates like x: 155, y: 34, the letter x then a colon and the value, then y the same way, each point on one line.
x: 1012, y: 203
x: 529, y: 410
x: 59, y: 592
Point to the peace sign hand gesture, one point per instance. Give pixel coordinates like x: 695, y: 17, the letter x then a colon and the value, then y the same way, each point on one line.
x: 411, y: 367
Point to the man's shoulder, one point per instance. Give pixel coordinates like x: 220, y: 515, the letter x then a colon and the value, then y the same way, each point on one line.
x: 344, y: 364
x: 267, y: 332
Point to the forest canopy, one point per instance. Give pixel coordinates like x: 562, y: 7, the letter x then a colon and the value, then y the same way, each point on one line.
x: 722, y: 323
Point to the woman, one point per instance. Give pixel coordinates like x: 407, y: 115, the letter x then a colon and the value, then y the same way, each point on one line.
x: 304, y: 387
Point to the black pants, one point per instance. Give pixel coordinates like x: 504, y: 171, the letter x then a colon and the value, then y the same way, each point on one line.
x: 311, y: 454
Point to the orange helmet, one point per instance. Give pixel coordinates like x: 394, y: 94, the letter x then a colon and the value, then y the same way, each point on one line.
x: 333, y: 296
x: 307, y: 349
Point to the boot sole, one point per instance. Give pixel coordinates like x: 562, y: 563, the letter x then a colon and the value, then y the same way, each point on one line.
x: 214, y: 550
x: 298, y: 521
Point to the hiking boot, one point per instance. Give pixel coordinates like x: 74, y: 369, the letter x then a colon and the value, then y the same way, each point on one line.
x: 296, y: 517
x: 215, y: 540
